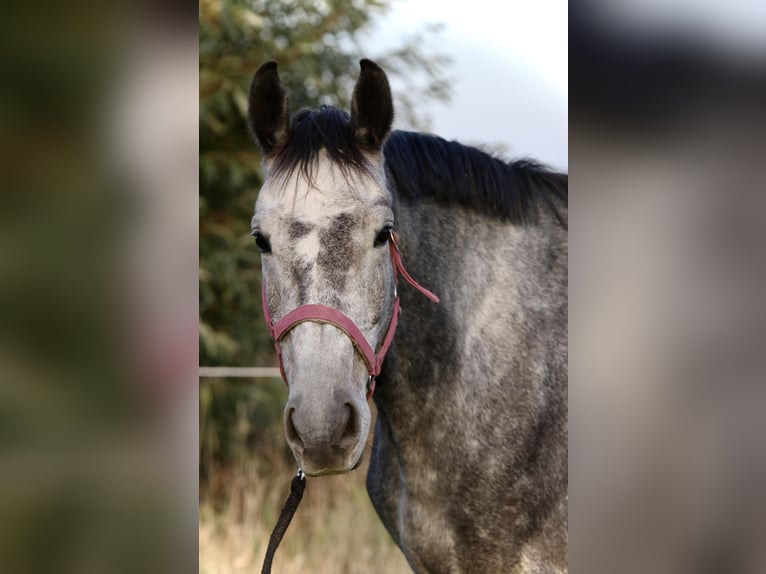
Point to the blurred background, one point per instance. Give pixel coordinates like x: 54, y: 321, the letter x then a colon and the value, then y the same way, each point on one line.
x: 667, y: 276
x: 122, y: 214
x: 98, y: 287
x: 453, y: 72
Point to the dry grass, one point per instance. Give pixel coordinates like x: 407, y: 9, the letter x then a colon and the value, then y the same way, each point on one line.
x: 334, y: 531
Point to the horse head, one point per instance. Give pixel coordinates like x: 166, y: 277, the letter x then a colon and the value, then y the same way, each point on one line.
x: 323, y: 221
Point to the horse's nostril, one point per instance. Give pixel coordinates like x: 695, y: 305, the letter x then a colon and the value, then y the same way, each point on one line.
x: 293, y: 438
x: 351, y: 430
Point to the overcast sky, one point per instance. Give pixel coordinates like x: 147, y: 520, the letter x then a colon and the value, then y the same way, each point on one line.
x: 510, y: 69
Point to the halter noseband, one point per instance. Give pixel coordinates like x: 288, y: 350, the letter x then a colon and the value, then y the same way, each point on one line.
x: 324, y: 314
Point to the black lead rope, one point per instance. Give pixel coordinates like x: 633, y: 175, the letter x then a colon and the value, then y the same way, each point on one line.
x: 297, y: 487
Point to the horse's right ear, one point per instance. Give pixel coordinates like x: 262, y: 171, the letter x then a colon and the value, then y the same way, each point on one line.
x: 268, y: 116
x: 372, y: 110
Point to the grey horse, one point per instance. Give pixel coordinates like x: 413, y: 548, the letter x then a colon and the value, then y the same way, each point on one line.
x: 468, y: 468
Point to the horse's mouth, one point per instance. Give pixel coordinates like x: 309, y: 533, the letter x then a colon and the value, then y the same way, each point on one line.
x: 310, y: 470
x: 325, y: 472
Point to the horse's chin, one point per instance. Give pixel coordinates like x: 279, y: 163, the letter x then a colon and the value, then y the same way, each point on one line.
x: 311, y: 470
x: 325, y: 471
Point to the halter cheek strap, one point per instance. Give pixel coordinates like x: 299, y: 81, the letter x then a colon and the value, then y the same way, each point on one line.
x: 324, y: 314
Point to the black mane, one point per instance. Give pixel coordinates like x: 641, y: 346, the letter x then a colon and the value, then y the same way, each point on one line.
x: 422, y: 166
x: 426, y: 166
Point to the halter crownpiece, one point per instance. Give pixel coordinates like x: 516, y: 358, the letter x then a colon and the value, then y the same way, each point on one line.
x: 324, y: 314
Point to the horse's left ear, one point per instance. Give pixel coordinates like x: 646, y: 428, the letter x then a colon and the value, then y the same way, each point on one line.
x: 372, y: 110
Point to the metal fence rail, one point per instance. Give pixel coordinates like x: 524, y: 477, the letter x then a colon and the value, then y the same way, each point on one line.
x: 240, y: 372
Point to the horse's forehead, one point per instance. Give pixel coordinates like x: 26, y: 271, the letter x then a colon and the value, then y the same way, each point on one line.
x: 329, y: 193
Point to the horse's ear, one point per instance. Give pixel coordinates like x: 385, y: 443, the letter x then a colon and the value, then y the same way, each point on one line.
x: 372, y: 110
x: 268, y: 116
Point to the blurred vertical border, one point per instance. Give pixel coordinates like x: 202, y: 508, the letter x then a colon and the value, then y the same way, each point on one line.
x: 668, y: 229
x: 98, y: 287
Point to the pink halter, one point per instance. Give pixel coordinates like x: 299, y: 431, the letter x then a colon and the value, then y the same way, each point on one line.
x: 324, y: 314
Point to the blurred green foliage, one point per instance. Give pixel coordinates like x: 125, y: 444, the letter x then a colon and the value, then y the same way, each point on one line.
x: 318, y: 45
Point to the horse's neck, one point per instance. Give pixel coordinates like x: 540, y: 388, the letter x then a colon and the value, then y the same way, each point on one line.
x: 469, y: 259
x: 474, y: 390
x: 495, y: 281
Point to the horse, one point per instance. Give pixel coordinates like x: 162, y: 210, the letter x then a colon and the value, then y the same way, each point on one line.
x: 468, y: 466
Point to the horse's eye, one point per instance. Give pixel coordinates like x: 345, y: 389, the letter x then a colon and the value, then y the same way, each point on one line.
x: 262, y: 243
x: 383, y: 237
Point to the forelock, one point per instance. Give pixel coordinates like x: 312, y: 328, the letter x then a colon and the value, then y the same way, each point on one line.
x: 312, y: 131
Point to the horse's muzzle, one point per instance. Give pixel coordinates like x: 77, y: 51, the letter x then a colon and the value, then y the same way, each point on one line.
x: 325, y: 440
